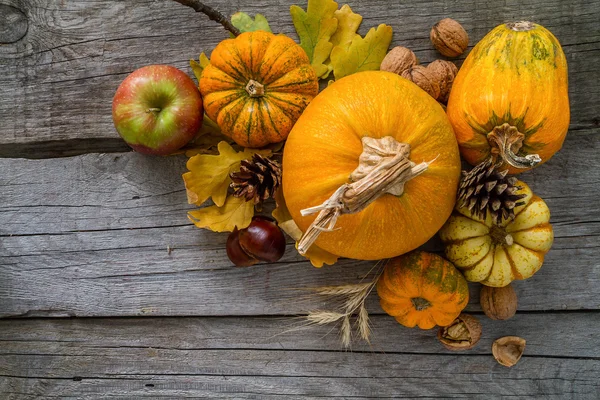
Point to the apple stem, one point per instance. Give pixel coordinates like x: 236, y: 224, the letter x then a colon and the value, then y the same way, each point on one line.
x: 211, y: 13
x: 154, y: 110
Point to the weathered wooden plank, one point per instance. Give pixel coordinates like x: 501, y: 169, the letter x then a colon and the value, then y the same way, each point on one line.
x: 226, y: 357
x: 423, y: 377
x: 88, y: 236
x: 57, y: 81
x: 549, y: 334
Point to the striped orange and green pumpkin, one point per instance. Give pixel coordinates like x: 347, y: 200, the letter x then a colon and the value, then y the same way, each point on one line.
x: 256, y: 86
x: 422, y: 289
x: 514, y: 82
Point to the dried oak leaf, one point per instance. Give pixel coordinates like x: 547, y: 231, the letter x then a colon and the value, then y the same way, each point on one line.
x: 315, y: 26
x: 235, y: 212
x: 363, y: 54
x: 208, y: 175
x: 317, y: 256
x: 245, y: 23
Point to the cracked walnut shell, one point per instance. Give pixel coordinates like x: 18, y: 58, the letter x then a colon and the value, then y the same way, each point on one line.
x: 449, y: 37
x: 398, y: 60
x: 462, y: 334
x: 508, y: 350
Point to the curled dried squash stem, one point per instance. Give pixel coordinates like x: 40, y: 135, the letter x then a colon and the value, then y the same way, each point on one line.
x: 506, y: 141
x: 384, y: 167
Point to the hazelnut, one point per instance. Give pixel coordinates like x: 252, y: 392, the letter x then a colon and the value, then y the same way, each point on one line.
x: 508, y: 350
x: 445, y: 72
x: 449, y: 37
x: 424, y: 78
x: 398, y: 60
x: 462, y: 334
x: 498, y: 302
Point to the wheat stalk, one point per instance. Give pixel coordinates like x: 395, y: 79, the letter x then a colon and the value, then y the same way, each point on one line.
x: 351, y: 305
x: 324, y: 317
x: 362, y: 321
x: 342, y: 289
x: 346, y: 331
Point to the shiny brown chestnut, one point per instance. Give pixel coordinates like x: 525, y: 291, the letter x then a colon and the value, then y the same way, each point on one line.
x: 263, y: 239
x: 235, y: 253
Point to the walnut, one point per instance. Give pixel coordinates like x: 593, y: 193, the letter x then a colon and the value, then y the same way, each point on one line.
x: 444, y: 72
x: 398, y: 60
x: 508, y: 350
x: 462, y: 334
x: 498, y: 303
x: 424, y: 78
x: 449, y: 37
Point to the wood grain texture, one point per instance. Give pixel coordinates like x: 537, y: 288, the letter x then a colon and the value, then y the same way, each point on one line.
x: 13, y: 24
x: 221, y: 357
x: 96, y: 228
x: 58, y: 80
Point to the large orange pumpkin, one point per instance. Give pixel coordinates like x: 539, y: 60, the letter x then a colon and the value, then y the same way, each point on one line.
x: 323, y: 151
x: 256, y: 86
x: 422, y: 289
x: 510, y: 97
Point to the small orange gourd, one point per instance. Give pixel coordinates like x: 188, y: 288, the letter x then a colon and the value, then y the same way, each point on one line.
x: 256, y: 86
x: 422, y: 289
x: 510, y: 98
x: 344, y: 155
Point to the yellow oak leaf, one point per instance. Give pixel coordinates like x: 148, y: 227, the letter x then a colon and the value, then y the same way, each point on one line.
x: 315, y: 26
x: 245, y: 23
x: 363, y: 54
x: 208, y: 175
x: 348, y: 23
x: 317, y: 256
x: 198, y: 66
x: 235, y: 212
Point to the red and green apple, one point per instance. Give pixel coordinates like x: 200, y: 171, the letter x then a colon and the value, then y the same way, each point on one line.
x: 157, y: 109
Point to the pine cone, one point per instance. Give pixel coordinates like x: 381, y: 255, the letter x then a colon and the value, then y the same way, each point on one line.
x: 257, y: 180
x: 484, y: 189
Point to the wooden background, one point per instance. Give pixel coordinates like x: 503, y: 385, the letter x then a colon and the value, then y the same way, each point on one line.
x: 93, y: 305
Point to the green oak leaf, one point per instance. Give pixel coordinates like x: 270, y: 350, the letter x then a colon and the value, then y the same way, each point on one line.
x: 245, y: 23
x: 363, y: 54
x: 315, y: 26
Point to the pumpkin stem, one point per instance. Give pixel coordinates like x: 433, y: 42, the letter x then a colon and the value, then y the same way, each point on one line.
x: 500, y: 236
x: 383, y: 168
x: 506, y: 141
x: 255, y: 89
x: 420, y: 303
x: 521, y: 26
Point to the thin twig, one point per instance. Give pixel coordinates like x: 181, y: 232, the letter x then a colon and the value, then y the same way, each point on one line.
x: 210, y: 13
